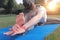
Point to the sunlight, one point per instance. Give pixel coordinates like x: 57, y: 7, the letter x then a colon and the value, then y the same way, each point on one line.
x: 52, y: 5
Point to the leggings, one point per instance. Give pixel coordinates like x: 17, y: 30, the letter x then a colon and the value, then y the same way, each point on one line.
x: 50, y: 21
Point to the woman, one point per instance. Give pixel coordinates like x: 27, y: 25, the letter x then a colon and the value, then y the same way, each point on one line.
x: 33, y: 15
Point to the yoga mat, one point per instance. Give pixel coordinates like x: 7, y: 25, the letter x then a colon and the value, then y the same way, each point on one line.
x: 38, y: 33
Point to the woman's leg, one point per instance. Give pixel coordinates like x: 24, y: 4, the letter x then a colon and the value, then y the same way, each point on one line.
x: 53, y: 21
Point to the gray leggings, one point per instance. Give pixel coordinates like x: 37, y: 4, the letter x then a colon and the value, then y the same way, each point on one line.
x: 51, y: 21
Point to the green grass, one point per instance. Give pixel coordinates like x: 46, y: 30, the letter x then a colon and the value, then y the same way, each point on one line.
x: 7, y: 20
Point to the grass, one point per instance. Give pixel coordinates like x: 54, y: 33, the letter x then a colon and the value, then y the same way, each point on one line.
x: 7, y: 20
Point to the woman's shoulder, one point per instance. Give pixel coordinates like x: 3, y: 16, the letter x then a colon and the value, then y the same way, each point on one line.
x: 41, y: 8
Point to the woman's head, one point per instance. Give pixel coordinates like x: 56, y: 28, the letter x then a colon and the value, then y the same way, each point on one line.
x: 28, y: 4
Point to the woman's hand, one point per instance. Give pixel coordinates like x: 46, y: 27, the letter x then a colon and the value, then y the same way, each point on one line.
x: 16, y: 30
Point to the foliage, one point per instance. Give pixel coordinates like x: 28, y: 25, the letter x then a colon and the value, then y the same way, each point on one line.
x: 10, y: 6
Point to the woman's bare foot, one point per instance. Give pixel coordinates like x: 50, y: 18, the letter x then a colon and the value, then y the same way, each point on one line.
x: 20, y: 19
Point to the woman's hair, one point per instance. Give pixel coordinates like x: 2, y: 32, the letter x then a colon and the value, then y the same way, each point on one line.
x: 28, y: 4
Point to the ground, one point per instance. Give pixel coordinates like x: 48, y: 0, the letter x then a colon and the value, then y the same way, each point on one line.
x: 9, y: 20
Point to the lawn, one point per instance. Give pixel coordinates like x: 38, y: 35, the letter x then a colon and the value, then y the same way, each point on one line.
x: 9, y: 20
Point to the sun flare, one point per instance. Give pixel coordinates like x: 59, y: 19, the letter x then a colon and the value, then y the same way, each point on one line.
x: 52, y: 5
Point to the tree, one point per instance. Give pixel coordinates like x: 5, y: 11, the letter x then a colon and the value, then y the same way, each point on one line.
x: 9, y: 6
x: 2, y: 3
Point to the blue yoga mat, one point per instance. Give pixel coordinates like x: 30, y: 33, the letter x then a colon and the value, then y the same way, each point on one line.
x: 38, y: 33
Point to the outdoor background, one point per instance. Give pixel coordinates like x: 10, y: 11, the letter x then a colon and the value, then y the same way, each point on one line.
x: 9, y: 9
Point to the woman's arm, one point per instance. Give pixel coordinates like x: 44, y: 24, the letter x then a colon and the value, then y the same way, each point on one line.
x: 33, y: 20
